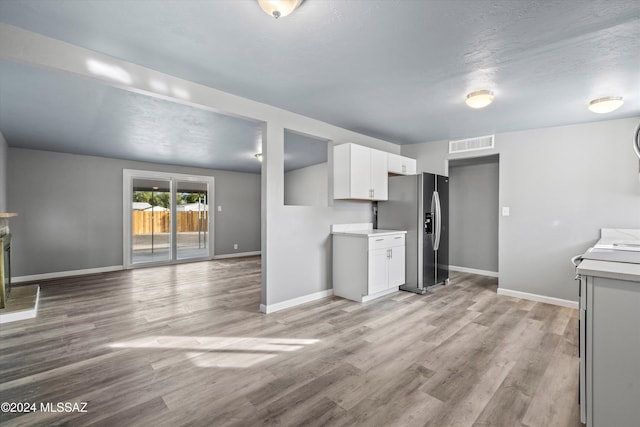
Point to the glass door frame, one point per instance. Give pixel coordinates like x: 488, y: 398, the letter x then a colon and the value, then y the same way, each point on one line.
x: 128, y: 175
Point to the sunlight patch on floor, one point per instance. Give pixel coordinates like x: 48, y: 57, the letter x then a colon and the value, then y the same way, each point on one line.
x: 228, y: 359
x: 220, y: 352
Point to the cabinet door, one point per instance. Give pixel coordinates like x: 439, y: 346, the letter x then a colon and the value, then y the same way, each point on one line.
x: 378, y: 275
x: 410, y: 166
x: 394, y: 163
x: 379, y: 175
x: 342, y: 171
x: 397, y: 267
x: 360, y: 172
x: 401, y: 165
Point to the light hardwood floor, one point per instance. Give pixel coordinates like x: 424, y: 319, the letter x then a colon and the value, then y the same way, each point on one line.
x: 186, y: 345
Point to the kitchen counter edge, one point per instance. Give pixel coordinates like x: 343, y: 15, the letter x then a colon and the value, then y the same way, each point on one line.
x: 368, y: 233
x: 611, y: 270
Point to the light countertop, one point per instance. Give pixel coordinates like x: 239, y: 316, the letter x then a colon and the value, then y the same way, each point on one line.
x: 369, y: 232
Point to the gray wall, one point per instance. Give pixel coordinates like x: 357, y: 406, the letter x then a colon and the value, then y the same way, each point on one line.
x: 71, y: 210
x: 3, y: 174
x: 562, y: 184
x: 473, y: 213
x: 307, y: 186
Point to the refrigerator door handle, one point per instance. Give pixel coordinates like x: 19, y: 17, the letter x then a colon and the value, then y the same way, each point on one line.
x: 432, y: 215
x: 437, y: 220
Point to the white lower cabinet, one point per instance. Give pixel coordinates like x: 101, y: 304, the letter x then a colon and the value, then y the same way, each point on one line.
x: 368, y: 265
x: 378, y: 271
x: 397, y: 268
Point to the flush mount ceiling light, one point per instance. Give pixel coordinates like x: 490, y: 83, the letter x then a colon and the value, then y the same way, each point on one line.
x: 259, y: 157
x: 479, y: 98
x: 278, y: 8
x: 606, y: 104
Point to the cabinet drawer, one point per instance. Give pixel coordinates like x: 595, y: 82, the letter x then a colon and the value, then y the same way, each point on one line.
x: 386, y: 241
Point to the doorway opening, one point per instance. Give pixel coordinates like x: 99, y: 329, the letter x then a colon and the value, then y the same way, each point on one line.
x: 474, y: 214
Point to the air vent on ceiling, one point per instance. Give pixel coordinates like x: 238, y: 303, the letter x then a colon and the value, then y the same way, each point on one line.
x: 471, y: 144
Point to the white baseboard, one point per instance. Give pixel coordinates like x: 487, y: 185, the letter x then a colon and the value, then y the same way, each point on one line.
x: 22, y: 314
x: 380, y: 294
x: 58, y: 274
x: 238, y: 255
x: 295, y: 301
x: 473, y: 271
x: 538, y: 298
x: 70, y: 273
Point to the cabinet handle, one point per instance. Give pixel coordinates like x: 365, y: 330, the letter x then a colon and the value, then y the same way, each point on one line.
x: 390, y: 253
x: 379, y: 240
x: 399, y: 237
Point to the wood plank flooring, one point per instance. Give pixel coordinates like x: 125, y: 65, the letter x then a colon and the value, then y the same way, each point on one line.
x: 186, y: 345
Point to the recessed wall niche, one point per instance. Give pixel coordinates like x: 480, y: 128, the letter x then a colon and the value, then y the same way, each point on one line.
x: 306, y: 176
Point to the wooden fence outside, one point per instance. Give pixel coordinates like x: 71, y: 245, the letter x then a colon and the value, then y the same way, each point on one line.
x: 186, y: 222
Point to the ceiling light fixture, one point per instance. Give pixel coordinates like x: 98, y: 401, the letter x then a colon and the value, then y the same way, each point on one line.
x: 278, y: 8
x: 259, y: 157
x: 479, y: 98
x: 606, y: 104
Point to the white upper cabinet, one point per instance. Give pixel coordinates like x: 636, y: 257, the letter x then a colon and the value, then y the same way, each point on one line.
x: 359, y: 173
x: 400, y: 165
x: 379, y: 175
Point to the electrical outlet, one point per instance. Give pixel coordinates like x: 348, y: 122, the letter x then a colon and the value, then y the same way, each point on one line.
x: 235, y: 246
x: 219, y: 208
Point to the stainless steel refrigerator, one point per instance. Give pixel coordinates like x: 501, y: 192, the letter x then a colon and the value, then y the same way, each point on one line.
x: 419, y: 204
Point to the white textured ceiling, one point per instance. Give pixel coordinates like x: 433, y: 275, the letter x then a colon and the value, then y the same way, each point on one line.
x: 396, y: 70
x: 45, y: 110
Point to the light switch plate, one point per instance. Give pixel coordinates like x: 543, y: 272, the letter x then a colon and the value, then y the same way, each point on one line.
x: 505, y: 211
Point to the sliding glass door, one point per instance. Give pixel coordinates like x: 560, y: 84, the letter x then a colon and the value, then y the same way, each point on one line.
x: 192, y: 219
x: 150, y: 221
x: 166, y: 217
